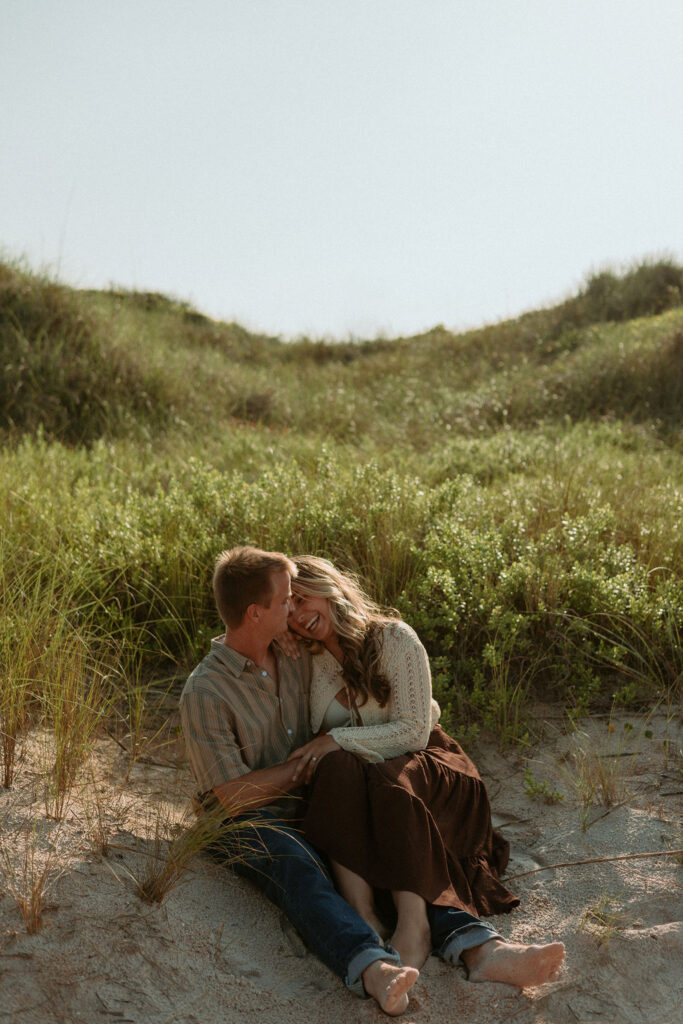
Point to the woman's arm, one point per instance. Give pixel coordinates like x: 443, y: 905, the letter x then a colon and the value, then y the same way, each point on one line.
x: 410, y: 715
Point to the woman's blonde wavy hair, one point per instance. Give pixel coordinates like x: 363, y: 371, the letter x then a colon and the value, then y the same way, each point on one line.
x: 357, y: 621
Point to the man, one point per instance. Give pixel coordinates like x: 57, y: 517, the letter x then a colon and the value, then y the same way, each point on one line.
x: 244, y: 710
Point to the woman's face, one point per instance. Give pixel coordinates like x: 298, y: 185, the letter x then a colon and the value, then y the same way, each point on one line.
x: 310, y: 617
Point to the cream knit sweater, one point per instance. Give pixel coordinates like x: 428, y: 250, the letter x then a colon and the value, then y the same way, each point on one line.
x: 404, y: 724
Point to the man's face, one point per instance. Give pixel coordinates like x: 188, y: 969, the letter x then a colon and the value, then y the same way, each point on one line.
x: 274, y: 617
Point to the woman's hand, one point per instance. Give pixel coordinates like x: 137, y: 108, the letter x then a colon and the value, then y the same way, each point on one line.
x: 289, y: 642
x: 307, y: 758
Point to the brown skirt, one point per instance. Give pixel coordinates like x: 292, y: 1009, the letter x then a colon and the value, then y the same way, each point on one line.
x: 420, y: 823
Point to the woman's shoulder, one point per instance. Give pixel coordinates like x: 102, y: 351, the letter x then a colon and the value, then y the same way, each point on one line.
x: 325, y: 664
x: 399, y: 632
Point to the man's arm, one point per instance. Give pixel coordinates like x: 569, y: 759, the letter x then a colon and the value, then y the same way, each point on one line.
x: 256, y: 788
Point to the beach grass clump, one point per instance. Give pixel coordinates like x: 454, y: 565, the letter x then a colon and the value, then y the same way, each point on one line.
x: 29, y: 868
x: 57, y: 670
x: 602, y: 919
x: 165, y: 858
x: 76, y: 697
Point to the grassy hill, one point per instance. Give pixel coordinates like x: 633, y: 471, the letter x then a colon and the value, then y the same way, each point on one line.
x: 85, y: 365
x: 514, y: 490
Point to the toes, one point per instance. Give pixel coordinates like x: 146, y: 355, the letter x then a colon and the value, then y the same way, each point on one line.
x: 396, y: 1001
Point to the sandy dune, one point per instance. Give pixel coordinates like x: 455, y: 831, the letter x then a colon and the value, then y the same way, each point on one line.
x: 215, y: 951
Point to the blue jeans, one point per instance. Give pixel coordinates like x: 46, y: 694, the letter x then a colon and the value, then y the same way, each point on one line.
x: 272, y: 855
x: 455, y: 931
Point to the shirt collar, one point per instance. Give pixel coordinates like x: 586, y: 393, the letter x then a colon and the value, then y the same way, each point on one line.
x: 233, y: 659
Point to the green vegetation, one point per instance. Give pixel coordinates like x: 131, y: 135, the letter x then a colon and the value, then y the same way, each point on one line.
x: 602, y: 919
x: 514, y: 491
x: 537, y: 789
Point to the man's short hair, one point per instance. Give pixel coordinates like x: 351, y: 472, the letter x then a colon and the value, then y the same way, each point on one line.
x: 244, y: 576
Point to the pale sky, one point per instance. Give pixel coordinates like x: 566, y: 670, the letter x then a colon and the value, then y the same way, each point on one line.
x: 341, y: 167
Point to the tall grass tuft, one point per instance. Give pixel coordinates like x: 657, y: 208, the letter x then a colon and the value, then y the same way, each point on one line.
x: 28, y: 873
x: 76, y: 698
x: 55, y: 670
x: 165, y: 858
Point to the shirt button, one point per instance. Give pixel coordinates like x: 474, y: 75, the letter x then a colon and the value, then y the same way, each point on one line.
x: 247, y: 664
x: 264, y: 673
x: 289, y: 732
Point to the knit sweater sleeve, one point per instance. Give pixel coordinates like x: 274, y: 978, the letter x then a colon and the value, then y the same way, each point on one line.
x: 405, y: 723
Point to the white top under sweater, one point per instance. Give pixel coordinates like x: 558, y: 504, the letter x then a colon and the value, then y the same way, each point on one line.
x: 410, y: 714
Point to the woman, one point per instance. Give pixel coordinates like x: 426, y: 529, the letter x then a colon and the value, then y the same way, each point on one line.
x: 394, y: 802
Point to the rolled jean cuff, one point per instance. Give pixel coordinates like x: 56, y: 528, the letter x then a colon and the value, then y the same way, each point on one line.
x: 363, y: 959
x: 467, y: 937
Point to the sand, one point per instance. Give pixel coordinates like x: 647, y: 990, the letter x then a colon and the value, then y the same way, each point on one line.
x: 215, y: 950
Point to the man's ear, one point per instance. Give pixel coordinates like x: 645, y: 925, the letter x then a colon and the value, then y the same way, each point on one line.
x: 253, y: 613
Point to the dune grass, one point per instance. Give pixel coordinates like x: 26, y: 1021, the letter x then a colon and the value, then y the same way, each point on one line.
x: 514, y: 491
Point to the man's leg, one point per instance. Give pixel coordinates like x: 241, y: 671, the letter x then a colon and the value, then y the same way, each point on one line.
x: 486, y: 955
x: 274, y: 857
x: 455, y: 931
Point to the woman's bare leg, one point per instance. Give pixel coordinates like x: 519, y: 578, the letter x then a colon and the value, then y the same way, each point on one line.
x: 359, y: 894
x: 412, y: 938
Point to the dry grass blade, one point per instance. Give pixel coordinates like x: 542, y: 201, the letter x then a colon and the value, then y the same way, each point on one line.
x: 28, y: 874
x: 600, y: 767
x: 165, y: 858
x: 165, y: 869
x: 101, y: 817
x: 75, y: 702
x: 596, y: 860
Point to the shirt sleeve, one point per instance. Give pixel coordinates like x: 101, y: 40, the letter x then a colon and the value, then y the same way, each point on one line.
x: 210, y: 743
x: 411, y: 713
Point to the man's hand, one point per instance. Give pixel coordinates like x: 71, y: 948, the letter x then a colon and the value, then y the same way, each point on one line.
x: 307, y: 758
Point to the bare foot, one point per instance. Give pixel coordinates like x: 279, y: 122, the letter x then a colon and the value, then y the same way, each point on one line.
x: 413, y: 945
x: 389, y: 985
x: 514, y: 964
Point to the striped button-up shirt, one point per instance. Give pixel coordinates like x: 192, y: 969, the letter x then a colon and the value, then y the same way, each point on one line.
x: 236, y: 718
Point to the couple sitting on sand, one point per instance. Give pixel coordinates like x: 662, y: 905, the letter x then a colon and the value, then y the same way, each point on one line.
x: 392, y: 808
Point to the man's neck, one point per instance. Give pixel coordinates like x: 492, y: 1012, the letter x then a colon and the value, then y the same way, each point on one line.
x: 254, y: 648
